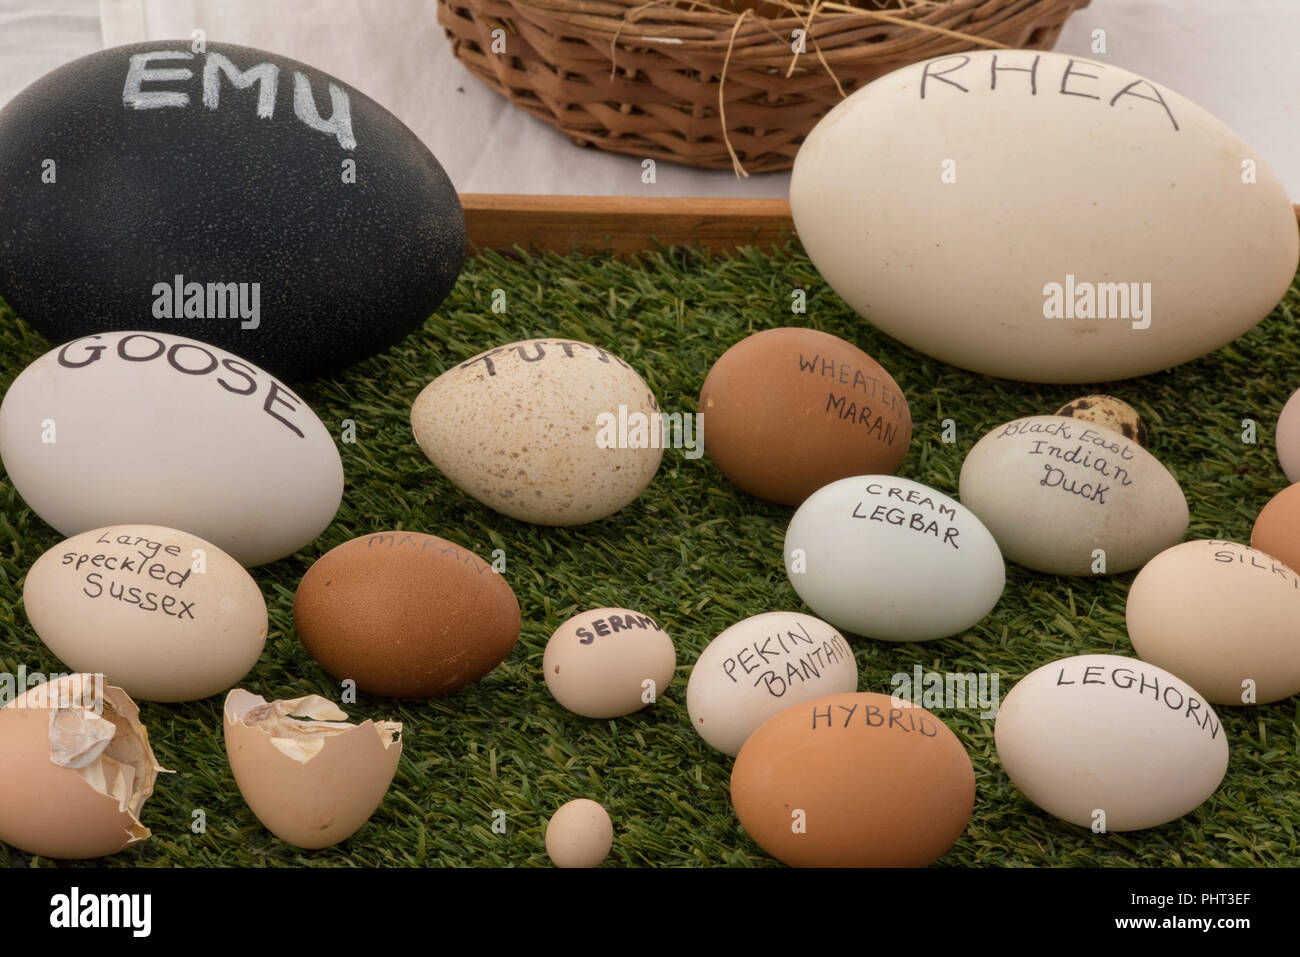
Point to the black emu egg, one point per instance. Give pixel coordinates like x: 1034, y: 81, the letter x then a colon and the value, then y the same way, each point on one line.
x: 230, y: 195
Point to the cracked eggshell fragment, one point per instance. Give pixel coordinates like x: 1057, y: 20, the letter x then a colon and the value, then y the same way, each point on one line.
x: 308, y: 775
x: 548, y: 431
x: 75, y: 769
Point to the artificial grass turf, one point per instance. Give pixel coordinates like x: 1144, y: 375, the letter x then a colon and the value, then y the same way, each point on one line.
x: 698, y: 555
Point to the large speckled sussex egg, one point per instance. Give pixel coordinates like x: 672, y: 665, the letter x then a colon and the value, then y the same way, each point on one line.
x: 549, y: 431
x: 405, y: 615
x: 787, y: 411
x: 159, y: 612
x: 233, y: 195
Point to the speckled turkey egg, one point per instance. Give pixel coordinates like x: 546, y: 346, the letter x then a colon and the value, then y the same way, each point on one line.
x: 853, y: 780
x: 549, y: 431
x: 161, y: 613
x: 1109, y: 412
x: 787, y: 411
x: 1108, y: 742
x: 1223, y: 617
x: 405, y: 615
x: 1071, y: 498
x: 608, y: 662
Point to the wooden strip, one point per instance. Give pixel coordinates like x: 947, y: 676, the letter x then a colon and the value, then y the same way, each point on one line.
x: 622, y: 225
x: 625, y: 225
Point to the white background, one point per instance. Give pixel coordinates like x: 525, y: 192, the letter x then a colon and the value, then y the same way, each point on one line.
x: 1240, y: 59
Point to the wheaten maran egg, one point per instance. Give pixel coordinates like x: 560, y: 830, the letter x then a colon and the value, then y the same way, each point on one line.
x: 548, y: 431
x: 789, y: 410
x: 163, y: 614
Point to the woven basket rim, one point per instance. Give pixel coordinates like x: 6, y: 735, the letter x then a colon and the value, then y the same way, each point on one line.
x: 708, y: 24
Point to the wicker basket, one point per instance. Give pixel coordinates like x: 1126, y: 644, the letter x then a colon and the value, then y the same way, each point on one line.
x: 656, y: 79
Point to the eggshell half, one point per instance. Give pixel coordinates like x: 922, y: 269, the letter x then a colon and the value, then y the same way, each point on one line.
x: 311, y: 782
x: 760, y: 666
x: 549, y: 431
x: 850, y: 780
x: 162, y: 613
x: 787, y: 411
x: 1223, y: 617
x: 1054, y: 490
x: 1104, y: 733
x: 596, y: 663
x: 76, y: 769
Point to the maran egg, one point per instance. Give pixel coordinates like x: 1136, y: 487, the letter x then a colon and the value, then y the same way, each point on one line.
x: 1071, y: 498
x: 759, y: 667
x: 406, y: 615
x: 149, y: 428
x: 1223, y: 617
x: 549, y: 431
x: 232, y: 195
x: 161, y: 613
x: 893, y: 559
x: 76, y: 769
x: 790, y: 410
x: 851, y: 780
x: 312, y: 778
x: 1042, y: 217
x: 1110, y: 742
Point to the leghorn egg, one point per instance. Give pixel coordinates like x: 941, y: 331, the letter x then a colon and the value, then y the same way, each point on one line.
x: 75, y: 769
x: 311, y: 778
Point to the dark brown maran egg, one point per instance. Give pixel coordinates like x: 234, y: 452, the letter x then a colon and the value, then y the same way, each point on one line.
x: 787, y: 411
x: 406, y: 615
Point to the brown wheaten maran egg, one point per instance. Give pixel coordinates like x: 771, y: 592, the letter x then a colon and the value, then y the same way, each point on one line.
x: 406, y: 615
x: 75, y: 769
x: 787, y: 411
x: 853, y: 780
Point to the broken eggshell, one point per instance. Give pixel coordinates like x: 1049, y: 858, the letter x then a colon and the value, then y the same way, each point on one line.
x: 311, y: 782
x: 76, y: 769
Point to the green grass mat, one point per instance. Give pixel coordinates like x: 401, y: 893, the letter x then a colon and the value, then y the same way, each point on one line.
x: 698, y: 555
